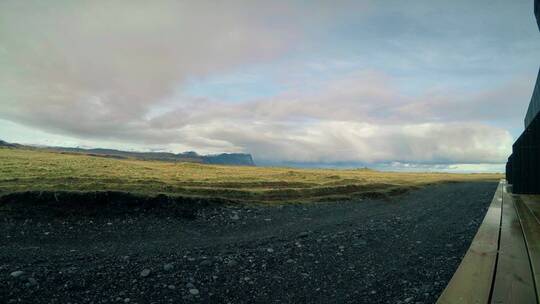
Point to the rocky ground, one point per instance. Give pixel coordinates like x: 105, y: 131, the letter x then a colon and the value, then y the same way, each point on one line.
x: 402, y: 250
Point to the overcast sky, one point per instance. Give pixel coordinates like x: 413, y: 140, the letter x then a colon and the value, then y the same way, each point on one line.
x: 414, y: 84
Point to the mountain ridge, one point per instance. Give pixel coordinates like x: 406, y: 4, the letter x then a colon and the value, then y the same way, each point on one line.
x: 237, y: 159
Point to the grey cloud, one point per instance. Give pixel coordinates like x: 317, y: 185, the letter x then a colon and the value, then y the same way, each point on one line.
x: 100, y: 70
x: 330, y: 142
x: 505, y: 105
x: 352, y: 120
x: 105, y: 62
x: 367, y: 97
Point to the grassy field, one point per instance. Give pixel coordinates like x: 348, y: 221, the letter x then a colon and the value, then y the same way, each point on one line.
x: 23, y: 170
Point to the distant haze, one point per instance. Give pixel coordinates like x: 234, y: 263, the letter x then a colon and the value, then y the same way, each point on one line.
x: 425, y: 84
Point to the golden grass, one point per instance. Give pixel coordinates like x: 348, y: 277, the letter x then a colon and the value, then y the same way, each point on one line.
x: 24, y: 170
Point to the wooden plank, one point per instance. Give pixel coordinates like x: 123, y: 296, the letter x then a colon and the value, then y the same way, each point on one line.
x: 532, y: 202
x: 513, y: 279
x: 531, y: 230
x: 473, y: 279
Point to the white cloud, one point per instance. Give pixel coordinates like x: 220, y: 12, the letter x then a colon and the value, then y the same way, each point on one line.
x: 345, y: 141
x: 115, y: 72
x: 104, y: 63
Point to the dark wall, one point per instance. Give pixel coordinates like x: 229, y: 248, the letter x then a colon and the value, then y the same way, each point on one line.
x: 534, y: 105
x: 523, y: 166
x: 537, y: 11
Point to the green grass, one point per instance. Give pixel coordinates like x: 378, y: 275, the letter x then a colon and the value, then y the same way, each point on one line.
x: 24, y: 170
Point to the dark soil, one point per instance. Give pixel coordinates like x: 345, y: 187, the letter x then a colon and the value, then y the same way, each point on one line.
x: 402, y: 250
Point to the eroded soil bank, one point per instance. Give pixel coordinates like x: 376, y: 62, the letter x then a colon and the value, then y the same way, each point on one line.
x: 370, y: 251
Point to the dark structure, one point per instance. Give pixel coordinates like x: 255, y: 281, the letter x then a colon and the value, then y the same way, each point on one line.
x: 537, y: 12
x: 523, y: 166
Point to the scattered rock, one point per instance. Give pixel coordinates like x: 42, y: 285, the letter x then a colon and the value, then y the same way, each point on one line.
x: 255, y: 264
x: 206, y: 263
x: 360, y: 242
x: 145, y: 273
x: 17, y: 273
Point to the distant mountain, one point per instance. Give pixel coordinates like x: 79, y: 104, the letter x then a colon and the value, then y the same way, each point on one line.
x: 229, y: 159
x: 6, y: 144
x: 237, y: 159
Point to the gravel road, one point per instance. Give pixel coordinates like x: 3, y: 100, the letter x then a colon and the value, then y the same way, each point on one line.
x: 402, y: 250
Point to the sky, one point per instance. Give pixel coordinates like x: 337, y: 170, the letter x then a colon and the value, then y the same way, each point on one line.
x: 399, y: 85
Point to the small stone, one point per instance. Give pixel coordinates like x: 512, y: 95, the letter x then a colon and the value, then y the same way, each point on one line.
x: 145, y: 273
x: 360, y: 243
x: 168, y: 267
x: 32, y: 281
x: 194, y: 291
x: 270, y: 250
x: 206, y: 263
x: 171, y: 287
x: 190, y: 285
x: 303, y: 235
x: 17, y: 273
x: 290, y: 261
x: 235, y: 217
x: 126, y: 300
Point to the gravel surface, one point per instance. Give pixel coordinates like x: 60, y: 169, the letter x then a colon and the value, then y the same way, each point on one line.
x: 402, y: 250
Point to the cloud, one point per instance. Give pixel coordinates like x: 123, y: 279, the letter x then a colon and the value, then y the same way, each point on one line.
x: 504, y: 104
x: 356, y: 119
x: 109, y: 62
x: 338, y: 141
x: 119, y: 71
